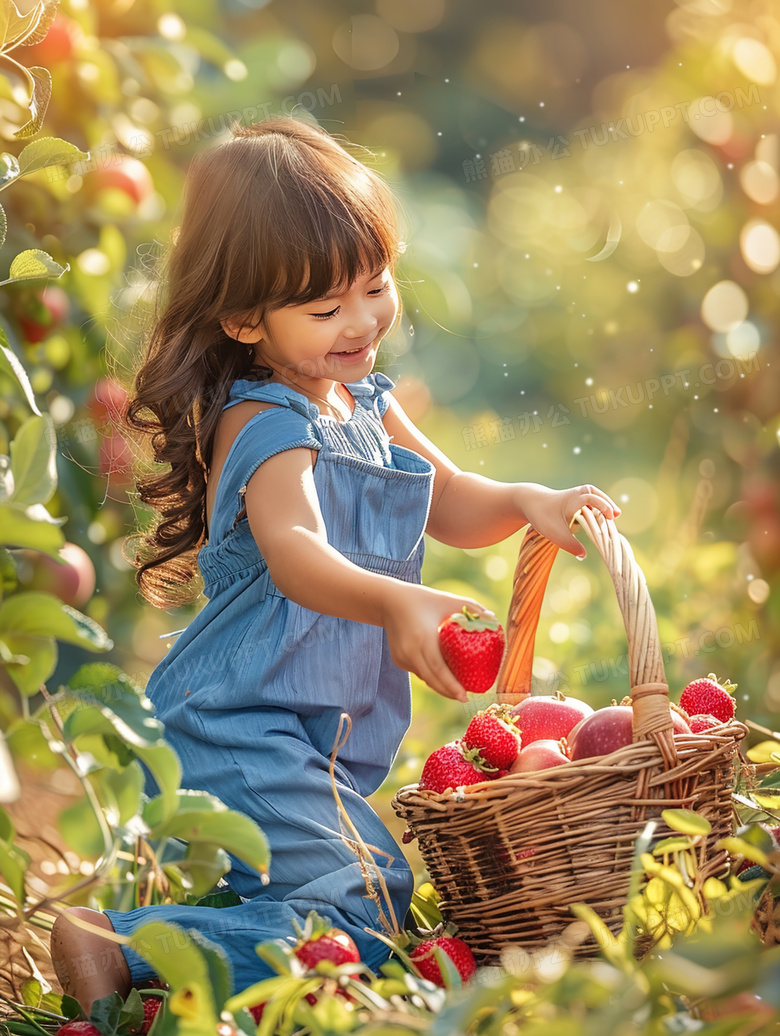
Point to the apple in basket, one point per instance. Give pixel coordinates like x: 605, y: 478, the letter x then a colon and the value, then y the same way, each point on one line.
x: 548, y: 717
x: 608, y: 729
x: 539, y: 755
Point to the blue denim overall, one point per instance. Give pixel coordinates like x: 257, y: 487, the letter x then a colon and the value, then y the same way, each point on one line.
x: 252, y: 690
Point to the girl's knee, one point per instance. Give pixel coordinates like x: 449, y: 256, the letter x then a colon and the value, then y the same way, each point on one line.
x: 87, y: 963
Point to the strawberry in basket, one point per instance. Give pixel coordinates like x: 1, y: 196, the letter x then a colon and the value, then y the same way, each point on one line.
x: 708, y: 697
x: 454, y: 766
x: 494, y: 734
x: 472, y: 647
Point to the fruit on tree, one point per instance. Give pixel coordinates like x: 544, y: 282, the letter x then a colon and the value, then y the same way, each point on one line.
x: 42, y: 312
x: 115, y: 458
x: 424, y: 958
x: 539, y: 755
x: 472, y: 647
x: 453, y: 766
x: 494, y: 734
x: 546, y: 716
x: 108, y: 400
x: 57, y: 46
x: 126, y: 174
x: 708, y: 696
x: 72, y: 579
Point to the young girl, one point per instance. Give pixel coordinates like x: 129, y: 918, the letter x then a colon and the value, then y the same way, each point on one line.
x: 301, y: 491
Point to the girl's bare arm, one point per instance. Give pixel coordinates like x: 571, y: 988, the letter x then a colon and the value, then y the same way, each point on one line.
x: 469, y: 510
x: 286, y: 521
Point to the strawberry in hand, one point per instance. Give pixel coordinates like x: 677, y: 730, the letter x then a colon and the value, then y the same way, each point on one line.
x: 472, y: 647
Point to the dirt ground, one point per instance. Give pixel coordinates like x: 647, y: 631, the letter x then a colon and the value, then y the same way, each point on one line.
x: 34, y: 814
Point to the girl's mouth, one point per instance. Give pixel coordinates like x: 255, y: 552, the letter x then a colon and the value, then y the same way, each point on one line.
x: 353, y: 355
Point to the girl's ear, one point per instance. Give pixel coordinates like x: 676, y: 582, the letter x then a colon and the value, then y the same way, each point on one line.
x: 243, y: 330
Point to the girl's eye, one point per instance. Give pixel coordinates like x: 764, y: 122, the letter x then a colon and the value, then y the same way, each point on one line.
x: 333, y: 312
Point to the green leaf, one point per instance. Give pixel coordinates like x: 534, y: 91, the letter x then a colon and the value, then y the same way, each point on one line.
x: 32, y: 992
x: 108, y: 703
x: 39, y: 80
x: 11, y: 367
x: 24, y: 28
x: 686, y: 821
x: 40, y: 614
x: 13, y: 867
x: 120, y: 792
x: 33, y: 264
x: 48, y: 151
x: 672, y: 845
x: 763, y: 751
x: 236, y: 833
x: 740, y: 847
x: 165, y: 767
x: 18, y: 529
x: 7, y: 829
x: 32, y: 659
x: 9, y: 578
x: 105, y: 1013
x: 80, y: 828
x: 34, y: 461
x: 9, y: 169
x: 204, y: 863
x: 9, y: 789
x: 198, y: 984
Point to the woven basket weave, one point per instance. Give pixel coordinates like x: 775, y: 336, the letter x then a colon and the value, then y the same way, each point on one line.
x: 509, y: 856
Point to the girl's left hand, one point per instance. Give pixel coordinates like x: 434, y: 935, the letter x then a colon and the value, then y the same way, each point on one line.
x: 550, y: 511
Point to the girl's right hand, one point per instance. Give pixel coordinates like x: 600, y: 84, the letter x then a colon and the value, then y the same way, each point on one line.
x: 412, y: 616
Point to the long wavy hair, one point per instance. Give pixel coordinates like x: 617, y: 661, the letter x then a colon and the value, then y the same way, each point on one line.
x: 279, y: 214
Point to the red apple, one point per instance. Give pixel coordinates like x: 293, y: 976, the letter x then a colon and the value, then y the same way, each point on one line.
x: 605, y: 731
x: 108, y: 400
x: 116, y: 459
x: 72, y: 579
x: 55, y: 47
x: 40, y: 314
x: 608, y: 729
x: 539, y: 755
x: 543, y: 716
x: 125, y: 173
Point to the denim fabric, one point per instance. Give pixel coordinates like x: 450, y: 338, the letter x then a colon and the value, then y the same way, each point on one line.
x: 251, y: 692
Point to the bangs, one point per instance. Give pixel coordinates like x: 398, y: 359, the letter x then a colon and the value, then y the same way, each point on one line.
x: 329, y: 226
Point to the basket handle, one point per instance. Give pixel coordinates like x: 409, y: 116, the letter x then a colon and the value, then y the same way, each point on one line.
x: 649, y: 689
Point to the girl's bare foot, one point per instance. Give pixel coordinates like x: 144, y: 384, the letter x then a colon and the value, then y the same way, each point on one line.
x: 87, y: 965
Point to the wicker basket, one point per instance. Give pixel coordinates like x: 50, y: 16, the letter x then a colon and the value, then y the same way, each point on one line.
x: 509, y: 856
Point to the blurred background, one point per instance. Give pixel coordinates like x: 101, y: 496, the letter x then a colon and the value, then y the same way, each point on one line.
x: 590, y: 197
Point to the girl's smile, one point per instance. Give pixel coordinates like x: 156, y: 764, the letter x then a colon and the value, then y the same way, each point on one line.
x: 314, y: 348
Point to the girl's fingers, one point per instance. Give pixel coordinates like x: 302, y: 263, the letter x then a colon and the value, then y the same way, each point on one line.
x: 441, y: 679
x: 600, y: 501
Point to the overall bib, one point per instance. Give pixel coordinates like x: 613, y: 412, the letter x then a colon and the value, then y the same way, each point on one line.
x: 252, y: 691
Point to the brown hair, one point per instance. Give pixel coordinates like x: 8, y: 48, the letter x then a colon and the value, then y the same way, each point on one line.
x: 279, y: 214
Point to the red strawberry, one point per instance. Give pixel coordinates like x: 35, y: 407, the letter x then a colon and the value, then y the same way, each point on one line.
x: 78, y: 1028
x: 152, y: 1005
x: 708, y: 697
x: 319, y: 940
x: 257, y: 1012
x: 449, y: 767
x: 494, y: 734
x: 333, y: 945
x: 473, y: 648
x: 699, y: 724
x: 458, y: 952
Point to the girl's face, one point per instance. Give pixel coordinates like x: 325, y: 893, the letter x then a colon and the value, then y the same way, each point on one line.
x: 334, y: 339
